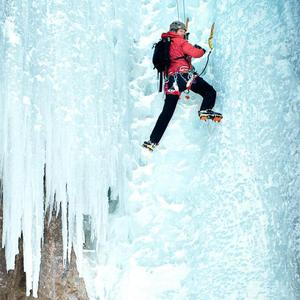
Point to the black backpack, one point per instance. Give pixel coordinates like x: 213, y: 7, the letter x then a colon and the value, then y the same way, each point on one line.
x: 161, y: 58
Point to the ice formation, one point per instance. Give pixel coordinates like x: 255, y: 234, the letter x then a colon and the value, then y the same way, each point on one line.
x: 214, y: 213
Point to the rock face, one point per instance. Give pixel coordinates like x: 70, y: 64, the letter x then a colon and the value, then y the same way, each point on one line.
x: 12, y: 283
x: 56, y: 282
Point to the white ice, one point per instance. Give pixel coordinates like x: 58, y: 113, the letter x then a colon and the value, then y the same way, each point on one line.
x: 213, y: 213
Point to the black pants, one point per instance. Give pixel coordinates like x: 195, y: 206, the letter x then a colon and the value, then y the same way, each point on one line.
x: 199, y: 86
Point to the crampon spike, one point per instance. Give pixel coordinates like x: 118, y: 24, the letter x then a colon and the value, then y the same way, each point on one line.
x: 203, y: 118
x: 217, y: 119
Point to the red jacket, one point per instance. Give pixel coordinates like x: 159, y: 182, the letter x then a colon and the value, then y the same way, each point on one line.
x: 180, y: 47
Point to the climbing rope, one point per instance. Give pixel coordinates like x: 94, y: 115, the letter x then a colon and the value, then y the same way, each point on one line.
x: 177, y: 9
x: 183, y: 3
x: 206, y: 63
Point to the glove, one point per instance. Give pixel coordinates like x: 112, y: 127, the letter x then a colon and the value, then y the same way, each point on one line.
x: 199, y: 47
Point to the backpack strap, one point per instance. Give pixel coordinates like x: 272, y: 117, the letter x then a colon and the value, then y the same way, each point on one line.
x: 161, y: 81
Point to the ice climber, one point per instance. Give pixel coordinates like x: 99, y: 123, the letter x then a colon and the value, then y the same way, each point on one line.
x: 181, y: 76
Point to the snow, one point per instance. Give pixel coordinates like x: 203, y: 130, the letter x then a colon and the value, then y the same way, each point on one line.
x: 214, y: 212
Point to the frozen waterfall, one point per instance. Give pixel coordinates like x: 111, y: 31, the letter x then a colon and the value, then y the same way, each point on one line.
x: 214, y: 212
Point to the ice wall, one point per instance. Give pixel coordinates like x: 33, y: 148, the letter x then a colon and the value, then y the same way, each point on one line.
x: 213, y: 214
x: 214, y: 211
x: 64, y: 107
x: 256, y: 68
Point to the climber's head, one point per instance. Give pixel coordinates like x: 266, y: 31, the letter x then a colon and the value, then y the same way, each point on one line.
x: 178, y: 27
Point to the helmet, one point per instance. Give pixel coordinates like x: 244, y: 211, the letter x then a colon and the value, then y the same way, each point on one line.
x: 174, y: 26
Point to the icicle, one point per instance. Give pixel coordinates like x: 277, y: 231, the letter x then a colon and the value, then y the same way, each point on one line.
x: 63, y: 105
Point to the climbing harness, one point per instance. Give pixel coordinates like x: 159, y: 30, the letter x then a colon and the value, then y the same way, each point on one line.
x: 192, y: 74
x: 174, y: 89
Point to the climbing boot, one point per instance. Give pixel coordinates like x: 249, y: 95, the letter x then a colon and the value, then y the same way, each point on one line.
x: 149, y: 145
x: 209, y: 114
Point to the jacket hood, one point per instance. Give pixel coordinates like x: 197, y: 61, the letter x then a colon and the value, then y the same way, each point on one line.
x: 171, y: 34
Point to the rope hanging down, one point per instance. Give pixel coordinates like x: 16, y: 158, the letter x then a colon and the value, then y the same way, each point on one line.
x: 178, y: 10
x: 183, y: 3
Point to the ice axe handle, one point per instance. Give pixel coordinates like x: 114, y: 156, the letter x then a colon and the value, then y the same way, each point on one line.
x: 186, y: 36
x: 187, y: 24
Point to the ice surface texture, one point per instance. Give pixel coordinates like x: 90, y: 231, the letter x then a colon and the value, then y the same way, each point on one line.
x: 65, y: 68
x: 213, y: 214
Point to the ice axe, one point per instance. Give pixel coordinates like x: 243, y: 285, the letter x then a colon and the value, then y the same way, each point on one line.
x: 186, y: 36
x: 210, y: 44
x: 210, y: 39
